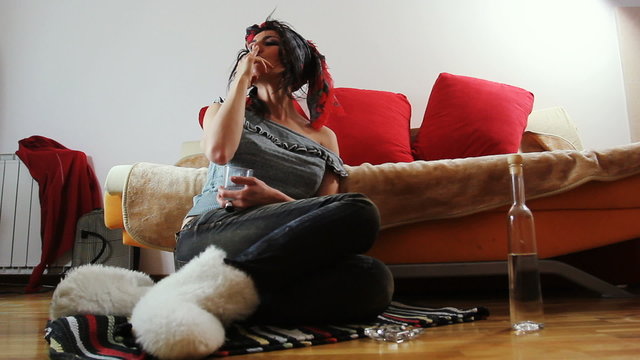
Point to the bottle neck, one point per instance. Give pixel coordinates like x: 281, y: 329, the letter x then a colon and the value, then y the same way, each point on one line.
x: 517, y: 182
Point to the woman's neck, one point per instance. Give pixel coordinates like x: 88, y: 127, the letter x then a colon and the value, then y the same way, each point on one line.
x: 280, y: 105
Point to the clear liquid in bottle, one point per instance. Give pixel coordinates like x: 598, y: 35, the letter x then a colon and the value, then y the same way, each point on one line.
x: 525, y: 297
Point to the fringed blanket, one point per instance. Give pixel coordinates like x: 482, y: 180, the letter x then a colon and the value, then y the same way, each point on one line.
x: 109, y: 337
x: 404, y: 192
x: 429, y: 190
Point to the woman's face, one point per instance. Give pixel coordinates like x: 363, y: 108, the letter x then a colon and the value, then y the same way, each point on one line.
x: 268, y: 43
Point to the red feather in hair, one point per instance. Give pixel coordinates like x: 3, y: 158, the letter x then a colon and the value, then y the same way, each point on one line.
x: 321, y: 99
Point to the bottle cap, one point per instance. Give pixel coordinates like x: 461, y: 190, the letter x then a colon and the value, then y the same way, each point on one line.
x: 515, y: 159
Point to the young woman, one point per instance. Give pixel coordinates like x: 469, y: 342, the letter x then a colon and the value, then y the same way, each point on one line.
x: 291, y: 249
x: 290, y: 232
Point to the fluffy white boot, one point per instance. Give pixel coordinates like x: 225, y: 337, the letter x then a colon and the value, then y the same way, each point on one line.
x: 183, y: 316
x: 98, y: 290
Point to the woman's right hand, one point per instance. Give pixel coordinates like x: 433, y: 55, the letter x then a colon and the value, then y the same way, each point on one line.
x: 246, y: 65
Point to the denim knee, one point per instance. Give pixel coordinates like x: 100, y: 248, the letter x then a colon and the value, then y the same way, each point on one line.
x: 381, y: 287
x: 354, y: 290
x: 364, y: 218
x: 369, y: 209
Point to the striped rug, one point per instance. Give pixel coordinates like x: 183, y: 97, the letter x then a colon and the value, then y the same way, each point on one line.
x: 109, y: 337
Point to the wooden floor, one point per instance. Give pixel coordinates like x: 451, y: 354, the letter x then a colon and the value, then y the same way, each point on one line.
x: 583, y: 327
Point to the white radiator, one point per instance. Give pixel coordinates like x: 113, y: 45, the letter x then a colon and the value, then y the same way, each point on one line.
x: 20, y: 241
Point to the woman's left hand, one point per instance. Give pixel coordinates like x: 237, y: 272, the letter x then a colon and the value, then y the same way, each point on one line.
x: 255, y: 193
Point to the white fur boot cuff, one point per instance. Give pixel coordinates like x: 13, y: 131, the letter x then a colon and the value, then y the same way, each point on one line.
x: 183, y: 316
x: 98, y: 290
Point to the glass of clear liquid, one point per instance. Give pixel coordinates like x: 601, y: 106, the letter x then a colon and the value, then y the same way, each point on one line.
x: 230, y: 171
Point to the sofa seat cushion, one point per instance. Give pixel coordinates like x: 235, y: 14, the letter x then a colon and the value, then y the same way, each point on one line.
x: 595, y: 214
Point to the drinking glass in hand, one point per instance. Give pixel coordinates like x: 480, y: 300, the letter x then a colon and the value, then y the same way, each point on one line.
x: 230, y: 171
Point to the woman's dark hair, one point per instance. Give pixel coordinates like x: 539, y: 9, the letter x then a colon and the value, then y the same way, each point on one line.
x: 303, y: 65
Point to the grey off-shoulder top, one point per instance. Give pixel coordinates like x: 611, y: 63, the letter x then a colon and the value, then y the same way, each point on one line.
x: 282, y: 158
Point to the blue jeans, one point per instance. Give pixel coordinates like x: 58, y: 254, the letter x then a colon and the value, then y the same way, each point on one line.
x: 305, y: 256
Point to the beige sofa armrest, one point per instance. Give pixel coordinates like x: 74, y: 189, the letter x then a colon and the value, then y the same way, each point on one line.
x: 116, y: 179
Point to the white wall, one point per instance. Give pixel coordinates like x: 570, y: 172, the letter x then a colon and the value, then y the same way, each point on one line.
x: 123, y: 80
x: 628, y: 19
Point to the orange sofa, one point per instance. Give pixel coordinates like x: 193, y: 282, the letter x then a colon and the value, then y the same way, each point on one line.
x: 445, y: 217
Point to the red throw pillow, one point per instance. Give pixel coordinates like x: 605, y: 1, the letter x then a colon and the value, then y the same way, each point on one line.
x: 468, y: 117
x: 373, y: 128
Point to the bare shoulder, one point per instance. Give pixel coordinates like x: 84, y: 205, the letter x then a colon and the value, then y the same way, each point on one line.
x: 211, y: 111
x: 328, y: 139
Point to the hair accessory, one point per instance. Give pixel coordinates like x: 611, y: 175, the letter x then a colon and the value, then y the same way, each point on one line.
x: 252, y: 31
x: 321, y: 99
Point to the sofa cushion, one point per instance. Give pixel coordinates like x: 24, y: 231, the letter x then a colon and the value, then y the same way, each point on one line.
x: 373, y: 128
x: 534, y: 142
x: 468, y: 117
x: 555, y: 121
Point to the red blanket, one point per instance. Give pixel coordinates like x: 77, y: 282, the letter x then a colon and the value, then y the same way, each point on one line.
x: 68, y: 190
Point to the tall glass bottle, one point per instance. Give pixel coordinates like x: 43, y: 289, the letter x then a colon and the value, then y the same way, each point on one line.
x: 525, y: 296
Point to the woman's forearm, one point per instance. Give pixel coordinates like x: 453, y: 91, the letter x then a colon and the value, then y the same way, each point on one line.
x: 223, y: 124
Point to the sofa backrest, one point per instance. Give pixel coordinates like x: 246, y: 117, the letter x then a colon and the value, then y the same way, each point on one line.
x: 547, y: 129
